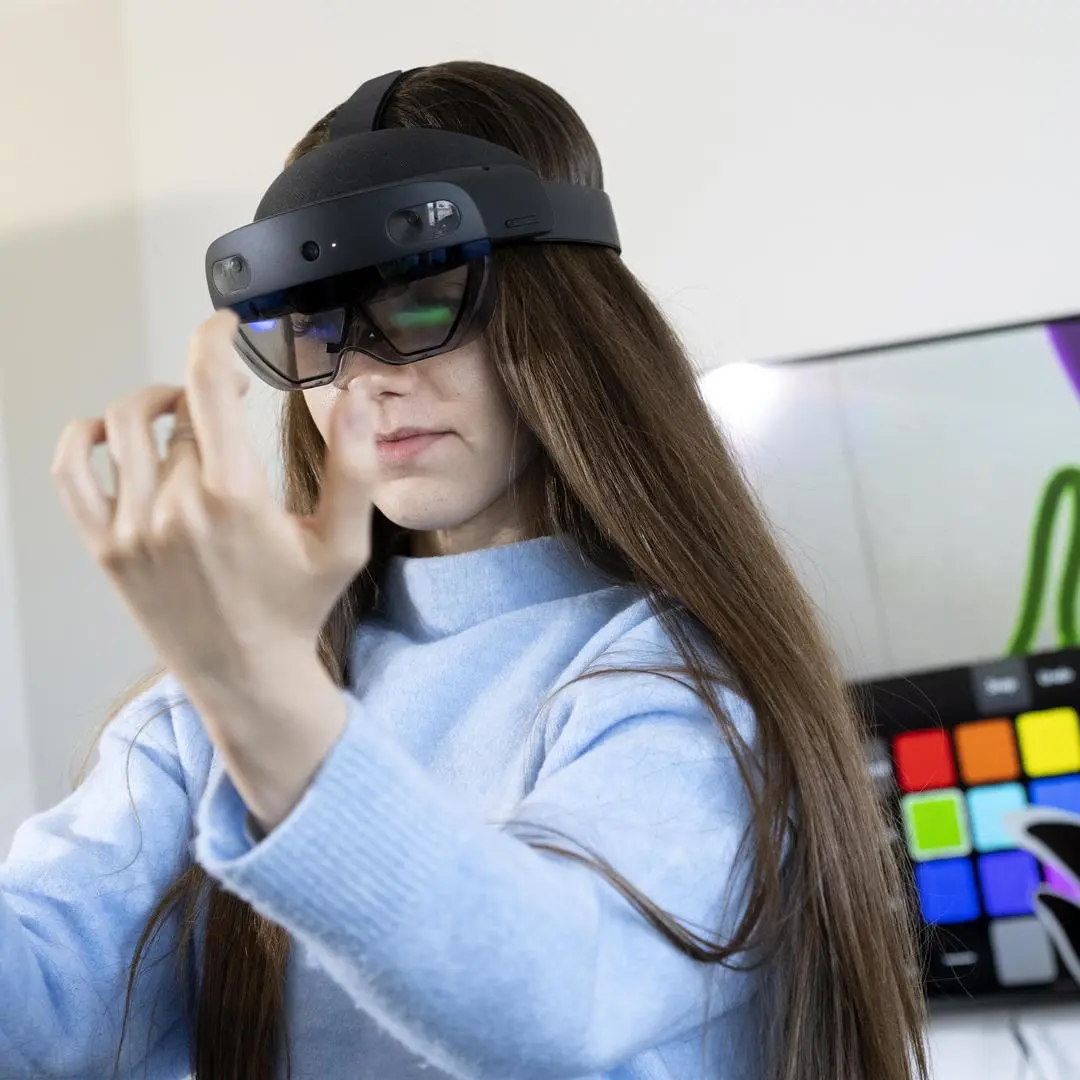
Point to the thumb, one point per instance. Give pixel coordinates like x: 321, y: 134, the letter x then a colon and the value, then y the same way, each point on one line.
x: 342, y: 522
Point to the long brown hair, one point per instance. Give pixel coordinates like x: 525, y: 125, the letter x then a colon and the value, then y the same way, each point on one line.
x: 633, y: 468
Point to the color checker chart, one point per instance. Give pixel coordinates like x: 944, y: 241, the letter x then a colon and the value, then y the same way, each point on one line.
x: 954, y: 753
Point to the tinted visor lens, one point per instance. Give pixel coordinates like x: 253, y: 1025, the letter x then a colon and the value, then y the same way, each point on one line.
x: 299, y: 348
x: 397, y: 313
x: 418, y: 316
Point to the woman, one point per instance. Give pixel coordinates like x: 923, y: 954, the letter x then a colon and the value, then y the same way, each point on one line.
x: 513, y: 750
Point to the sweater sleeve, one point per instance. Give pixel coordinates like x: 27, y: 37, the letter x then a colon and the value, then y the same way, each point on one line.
x: 78, y: 885
x: 486, y: 956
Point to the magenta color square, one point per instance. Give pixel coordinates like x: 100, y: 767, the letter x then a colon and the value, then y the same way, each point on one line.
x: 1060, y: 883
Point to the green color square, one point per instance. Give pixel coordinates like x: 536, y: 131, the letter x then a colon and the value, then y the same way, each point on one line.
x: 936, y: 825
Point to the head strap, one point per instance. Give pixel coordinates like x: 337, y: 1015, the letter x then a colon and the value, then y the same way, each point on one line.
x: 364, y: 110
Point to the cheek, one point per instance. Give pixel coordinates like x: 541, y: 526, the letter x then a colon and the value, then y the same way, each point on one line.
x: 493, y: 427
x: 514, y: 444
x: 320, y: 402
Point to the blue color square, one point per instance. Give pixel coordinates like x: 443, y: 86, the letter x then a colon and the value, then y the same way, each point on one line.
x: 987, y: 807
x: 1060, y: 791
x: 1009, y: 880
x: 947, y: 891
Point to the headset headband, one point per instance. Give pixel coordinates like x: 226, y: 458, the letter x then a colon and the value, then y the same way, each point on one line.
x: 364, y: 110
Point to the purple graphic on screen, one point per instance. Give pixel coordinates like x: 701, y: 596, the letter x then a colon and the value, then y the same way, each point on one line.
x: 1061, y: 883
x: 1066, y: 340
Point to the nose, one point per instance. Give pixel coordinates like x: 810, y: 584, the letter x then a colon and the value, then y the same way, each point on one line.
x: 376, y: 376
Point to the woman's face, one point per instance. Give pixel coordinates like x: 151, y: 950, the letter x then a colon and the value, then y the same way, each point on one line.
x: 450, y: 488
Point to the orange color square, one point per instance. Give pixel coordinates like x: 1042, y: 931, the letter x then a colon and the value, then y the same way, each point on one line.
x: 987, y: 751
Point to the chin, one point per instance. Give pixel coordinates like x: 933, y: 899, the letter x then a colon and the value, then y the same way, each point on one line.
x: 413, y: 508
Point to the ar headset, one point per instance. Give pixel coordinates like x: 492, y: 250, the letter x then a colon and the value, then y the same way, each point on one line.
x: 381, y: 240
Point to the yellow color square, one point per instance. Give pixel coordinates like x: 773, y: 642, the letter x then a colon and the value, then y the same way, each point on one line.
x: 1049, y: 741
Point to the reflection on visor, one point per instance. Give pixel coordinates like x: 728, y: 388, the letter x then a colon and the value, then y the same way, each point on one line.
x: 298, y: 347
x: 434, y: 316
x: 323, y: 326
x: 419, y: 315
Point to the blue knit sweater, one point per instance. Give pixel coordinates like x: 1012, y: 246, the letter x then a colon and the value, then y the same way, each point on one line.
x: 428, y: 938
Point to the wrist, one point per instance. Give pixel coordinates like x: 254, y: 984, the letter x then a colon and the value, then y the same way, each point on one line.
x: 274, y: 733
x: 257, y: 689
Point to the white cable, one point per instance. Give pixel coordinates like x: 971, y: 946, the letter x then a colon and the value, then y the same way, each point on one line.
x: 1055, y: 1053
x: 1030, y: 1066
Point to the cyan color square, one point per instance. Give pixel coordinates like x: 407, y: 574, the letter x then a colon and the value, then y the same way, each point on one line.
x: 987, y: 807
x: 947, y: 891
x: 1009, y: 880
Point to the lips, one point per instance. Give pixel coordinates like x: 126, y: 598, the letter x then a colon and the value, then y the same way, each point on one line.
x: 405, y: 433
x: 403, y: 447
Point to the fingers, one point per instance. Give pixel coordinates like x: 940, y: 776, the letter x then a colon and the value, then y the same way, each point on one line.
x: 127, y: 428
x: 215, y: 391
x: 220, y: 460
x: 342, y: 523
x: 181, y: 471
x: 75, y: 480
x: 183, y: 444
x: 130, y: 434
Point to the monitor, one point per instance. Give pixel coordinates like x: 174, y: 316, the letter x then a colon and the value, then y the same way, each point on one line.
x: 928, y: 495
x: 953, y: 752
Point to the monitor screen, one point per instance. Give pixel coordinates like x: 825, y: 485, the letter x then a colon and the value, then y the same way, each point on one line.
x: 954, y: 752
x: 928, y: 494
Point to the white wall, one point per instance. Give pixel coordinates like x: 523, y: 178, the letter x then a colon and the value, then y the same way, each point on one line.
x: 72, y: 340
x: 787, y: 178
x: 905, y: 485
x: 17, y: 789
x: 898, y: 167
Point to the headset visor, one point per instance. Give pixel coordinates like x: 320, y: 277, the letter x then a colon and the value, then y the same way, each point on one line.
x: 399, y: 312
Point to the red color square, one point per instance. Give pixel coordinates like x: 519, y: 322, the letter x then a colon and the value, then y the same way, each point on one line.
x: 924, y: 760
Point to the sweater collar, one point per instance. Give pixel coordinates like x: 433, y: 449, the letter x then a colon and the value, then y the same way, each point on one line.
x: 441, y: 595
